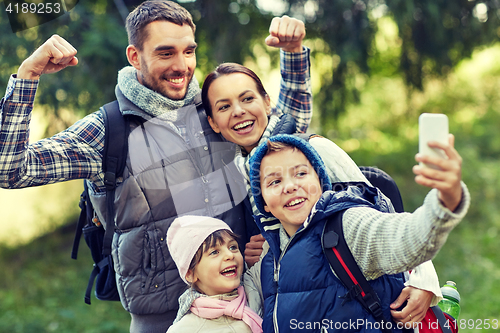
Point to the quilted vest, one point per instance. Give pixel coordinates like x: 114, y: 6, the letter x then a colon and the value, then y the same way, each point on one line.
x: 301, y: 293
x: 165, y: 177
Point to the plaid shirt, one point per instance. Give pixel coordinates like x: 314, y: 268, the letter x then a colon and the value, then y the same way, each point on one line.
x: 76, y: 153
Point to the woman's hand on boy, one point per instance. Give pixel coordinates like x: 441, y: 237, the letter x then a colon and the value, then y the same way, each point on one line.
x: 287, y: 33
x: 447, y: 178
x: 418, y: 301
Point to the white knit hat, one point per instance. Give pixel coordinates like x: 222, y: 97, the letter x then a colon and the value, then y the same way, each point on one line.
x: 185, y: 236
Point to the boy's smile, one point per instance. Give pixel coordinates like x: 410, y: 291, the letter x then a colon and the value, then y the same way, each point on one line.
x: 290, y: 187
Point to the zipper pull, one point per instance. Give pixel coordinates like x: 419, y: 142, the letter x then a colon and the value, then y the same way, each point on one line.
x: 95, y: 220
x: 276, y: 273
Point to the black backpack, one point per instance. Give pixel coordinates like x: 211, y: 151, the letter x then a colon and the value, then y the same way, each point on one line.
x: 96, y: 236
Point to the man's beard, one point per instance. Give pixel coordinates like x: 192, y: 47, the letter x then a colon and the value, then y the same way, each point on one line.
x: 153, y: 84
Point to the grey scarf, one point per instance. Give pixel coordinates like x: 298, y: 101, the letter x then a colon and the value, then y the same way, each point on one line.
x: 150, y: 101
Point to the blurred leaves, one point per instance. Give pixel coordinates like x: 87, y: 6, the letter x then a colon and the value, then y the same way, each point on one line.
x: 377, y: 64
x: 432, y: 37
x: 377, y: 131
x: 95, y: 29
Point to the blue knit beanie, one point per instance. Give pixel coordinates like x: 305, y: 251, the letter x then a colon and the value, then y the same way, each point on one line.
x: 297, y: 142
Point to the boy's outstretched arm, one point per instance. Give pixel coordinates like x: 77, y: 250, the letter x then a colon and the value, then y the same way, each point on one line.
x: 447, y: 179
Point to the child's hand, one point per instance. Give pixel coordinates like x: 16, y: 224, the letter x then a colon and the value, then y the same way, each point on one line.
x: 287, y: 33
x: 447, y: 178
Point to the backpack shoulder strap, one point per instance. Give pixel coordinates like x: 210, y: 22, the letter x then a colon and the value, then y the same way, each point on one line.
x: 115, y: 143
x: 84, y: 213
x: 347, y: 270
x: 285, y: 125
x: 113, y: 162
x: 444, y: 323
x: 202, y: 114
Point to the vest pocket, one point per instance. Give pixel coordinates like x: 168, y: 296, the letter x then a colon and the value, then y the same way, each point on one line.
x: 153, y: 260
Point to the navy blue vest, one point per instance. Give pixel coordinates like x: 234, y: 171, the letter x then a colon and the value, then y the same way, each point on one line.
x: 300, y: 291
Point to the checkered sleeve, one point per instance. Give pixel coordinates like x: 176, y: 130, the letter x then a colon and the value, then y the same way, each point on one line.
x: 295, y: 95
x: 75, y: 153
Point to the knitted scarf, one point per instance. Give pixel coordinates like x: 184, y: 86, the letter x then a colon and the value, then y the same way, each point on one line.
x: 150, y: 101
x: 211, y: 308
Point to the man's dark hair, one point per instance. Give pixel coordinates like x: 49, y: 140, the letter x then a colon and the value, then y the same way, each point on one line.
x: 151, y: 11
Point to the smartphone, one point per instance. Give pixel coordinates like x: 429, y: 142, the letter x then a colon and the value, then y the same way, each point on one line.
x: 432, y: 127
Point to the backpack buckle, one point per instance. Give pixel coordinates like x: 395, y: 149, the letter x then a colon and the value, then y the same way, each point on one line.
x: 353, y: 293
x: 330, y: 239
x: 110, y: 180
x: 374, y: 306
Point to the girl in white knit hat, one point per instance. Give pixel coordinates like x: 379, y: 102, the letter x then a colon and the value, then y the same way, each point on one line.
x: 207, y: 256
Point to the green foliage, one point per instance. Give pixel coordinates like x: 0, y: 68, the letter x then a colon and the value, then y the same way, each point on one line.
x: 42, y: 290
x: 227, y: 30
x: 434, y: 37
x: 95, y: 29
x: 438, y: 34
x: 381, y: 63
x: 381, y: 131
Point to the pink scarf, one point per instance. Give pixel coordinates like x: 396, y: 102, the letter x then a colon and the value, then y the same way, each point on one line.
x: 210, y: 308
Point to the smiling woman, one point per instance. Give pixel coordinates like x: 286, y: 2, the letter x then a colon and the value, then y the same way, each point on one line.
x: 240, y: 113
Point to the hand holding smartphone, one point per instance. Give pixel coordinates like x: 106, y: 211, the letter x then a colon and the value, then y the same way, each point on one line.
x: 447, y: 177
x: 432, y: 127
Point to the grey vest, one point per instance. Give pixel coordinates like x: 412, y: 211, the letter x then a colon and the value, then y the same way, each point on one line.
x: 165, y: 177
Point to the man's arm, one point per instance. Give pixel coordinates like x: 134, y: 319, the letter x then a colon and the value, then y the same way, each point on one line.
x: 295, y: 95
x: 54, y: 55
x: 71, y: 154
x: 75, y: 153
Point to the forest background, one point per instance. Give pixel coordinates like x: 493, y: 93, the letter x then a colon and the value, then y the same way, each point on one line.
x: 376, y: 66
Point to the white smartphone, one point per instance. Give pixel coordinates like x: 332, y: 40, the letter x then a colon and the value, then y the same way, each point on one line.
x: 432, y: 127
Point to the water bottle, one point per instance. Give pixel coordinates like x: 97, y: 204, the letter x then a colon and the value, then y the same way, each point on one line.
x: 451, y: 301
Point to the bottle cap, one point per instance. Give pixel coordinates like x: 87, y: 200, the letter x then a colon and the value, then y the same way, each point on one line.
x: 449, y: 290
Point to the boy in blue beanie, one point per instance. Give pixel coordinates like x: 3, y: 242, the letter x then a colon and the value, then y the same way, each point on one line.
x: 294, y: 195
